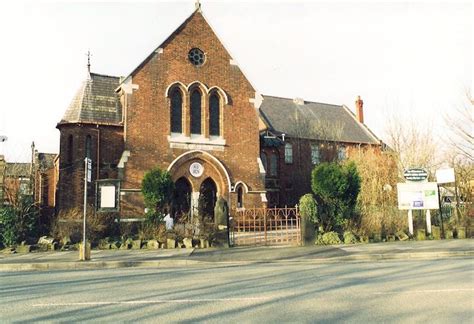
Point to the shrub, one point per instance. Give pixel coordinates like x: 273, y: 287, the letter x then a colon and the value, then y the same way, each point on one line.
x: 377, y: 200
x: 349, y: 238
x: 157, y: 190
x: 336, y: 187
x: 149, y: 231
x: 329, y: 238
x: 19, y: 222
x: 69, y: 223
x: 308, y: 208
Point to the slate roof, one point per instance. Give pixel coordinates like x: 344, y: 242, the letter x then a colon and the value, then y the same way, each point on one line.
x: 17, y: 170
x: 45, y: 161
x: 314, y: 120
x: 96, y: 102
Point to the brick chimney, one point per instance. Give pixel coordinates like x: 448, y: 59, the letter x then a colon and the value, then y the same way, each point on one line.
x: 359, y: 110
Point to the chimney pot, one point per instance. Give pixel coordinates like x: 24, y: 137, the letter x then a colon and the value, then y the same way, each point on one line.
x: 298, y: 101
x: 359, y: 103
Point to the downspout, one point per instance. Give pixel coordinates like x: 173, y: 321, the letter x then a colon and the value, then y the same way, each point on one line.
x: 98, y: 152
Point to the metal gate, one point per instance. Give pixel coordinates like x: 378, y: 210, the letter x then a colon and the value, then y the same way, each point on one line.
x: 265, y: 226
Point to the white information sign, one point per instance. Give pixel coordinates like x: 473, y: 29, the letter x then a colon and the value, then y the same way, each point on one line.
x: 107, y: 197
x: 445, y: 175
x: 89, y: 170
x: 196, y: 169
x: 418, y: 196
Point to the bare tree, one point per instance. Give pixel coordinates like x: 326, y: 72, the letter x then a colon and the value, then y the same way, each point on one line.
x: 413, y: 145
x: 460, y: 124
x: 459, y: 155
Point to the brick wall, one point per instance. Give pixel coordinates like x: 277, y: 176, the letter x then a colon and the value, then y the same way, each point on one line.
x: 106, y: 143
x: 148, y: 109
x: 294, y: 179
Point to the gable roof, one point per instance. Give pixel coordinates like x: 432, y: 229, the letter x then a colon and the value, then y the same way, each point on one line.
x: 95, y: 102
x: 197, y: 11
x: 166, y: 41
x: 314, y: 120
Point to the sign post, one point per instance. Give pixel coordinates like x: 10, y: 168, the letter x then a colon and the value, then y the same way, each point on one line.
x: 85, y: 252
x: 410, y: 222
x: 428, y: 221
x: 443, y: 176
x: 416, y: 196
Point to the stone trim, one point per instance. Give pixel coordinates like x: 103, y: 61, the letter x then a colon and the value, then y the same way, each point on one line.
x: 212, y: 157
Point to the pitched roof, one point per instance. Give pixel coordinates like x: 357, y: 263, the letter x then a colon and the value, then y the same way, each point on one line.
x: 45, y: 161
x: 314, y: 120
x: 166, y: 41
x: 17, y: 169
x: 96, y: 102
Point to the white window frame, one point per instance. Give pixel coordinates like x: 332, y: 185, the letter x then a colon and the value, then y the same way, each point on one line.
x: 315, y: 154
x: 341, y: 153
x: 288, y: 153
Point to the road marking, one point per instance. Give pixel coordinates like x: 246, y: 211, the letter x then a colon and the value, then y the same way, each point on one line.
x: 421, y: 291
x: 155, y: 301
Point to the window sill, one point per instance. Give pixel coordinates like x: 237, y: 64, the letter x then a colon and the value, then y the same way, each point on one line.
x: 196, y: 142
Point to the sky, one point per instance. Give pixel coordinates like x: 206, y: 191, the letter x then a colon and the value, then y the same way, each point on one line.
x: 409, y: 58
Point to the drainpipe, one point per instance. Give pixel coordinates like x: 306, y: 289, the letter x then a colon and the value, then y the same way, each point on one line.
x: 98, y: 152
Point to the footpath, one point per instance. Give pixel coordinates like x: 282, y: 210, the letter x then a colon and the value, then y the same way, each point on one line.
x: 102, y: 259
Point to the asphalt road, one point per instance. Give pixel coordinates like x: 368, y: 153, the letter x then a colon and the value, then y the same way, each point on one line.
x: 440, y: 291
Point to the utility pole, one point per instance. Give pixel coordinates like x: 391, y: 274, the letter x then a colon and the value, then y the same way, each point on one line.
x: 85, y: 251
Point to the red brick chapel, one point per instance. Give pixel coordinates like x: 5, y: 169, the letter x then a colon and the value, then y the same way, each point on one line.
x: 189, y: 109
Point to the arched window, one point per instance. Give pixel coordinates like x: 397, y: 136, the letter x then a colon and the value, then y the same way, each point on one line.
x: 240, y: 199
x: 176, y: 111
x: 288, y: 153
x: 88, y: 146
x: 69, y: 150
x: 263, y: 157
x: 214, y: 115
x: 273, y: 165
x: 196, y: 112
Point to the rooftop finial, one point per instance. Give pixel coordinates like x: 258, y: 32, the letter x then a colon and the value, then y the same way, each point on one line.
x: 198, y: 5
x: 88, y: 61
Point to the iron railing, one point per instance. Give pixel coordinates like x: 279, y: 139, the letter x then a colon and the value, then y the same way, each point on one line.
x: 266, y: 226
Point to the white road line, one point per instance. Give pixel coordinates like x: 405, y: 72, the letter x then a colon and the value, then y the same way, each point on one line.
x: 421, y: 291
x: 154, y: 301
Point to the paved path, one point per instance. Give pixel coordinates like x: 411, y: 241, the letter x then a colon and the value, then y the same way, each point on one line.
x: 402, y: 291
x: 239, y: 255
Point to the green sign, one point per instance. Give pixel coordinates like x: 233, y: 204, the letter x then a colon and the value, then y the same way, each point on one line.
x: 415, y: 174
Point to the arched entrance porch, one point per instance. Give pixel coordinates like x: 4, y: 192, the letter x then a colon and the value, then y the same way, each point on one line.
x: 208, y: 177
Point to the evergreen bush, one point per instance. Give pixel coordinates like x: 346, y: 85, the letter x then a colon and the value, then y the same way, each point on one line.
x: 349, y: 238
x: 336, y: 187
x: 19, y: 222
x: 329, y: 238
x: 157, y: 189
x: 308, y: 208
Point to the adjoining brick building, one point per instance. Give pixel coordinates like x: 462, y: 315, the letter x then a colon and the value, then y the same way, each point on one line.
x: 189, y: 109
